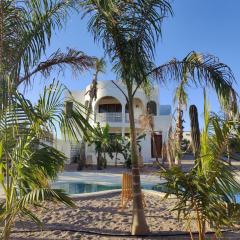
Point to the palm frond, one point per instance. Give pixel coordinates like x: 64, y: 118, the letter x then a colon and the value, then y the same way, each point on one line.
x: 51, y: 108
x: 203, y: 70
x: 27, y: 30
x: 41, y: 19
x: 127, y: 30
x: 74, y: 59
x: 44, y: 194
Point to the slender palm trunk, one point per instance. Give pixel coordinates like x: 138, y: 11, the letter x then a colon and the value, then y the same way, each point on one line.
x: 82, y: 159
x: 116, y: 159
x: 170, y: 148
x: 179, y: 135
x: 99, y: 160
x: 139, y: 224
x: 104, y: 159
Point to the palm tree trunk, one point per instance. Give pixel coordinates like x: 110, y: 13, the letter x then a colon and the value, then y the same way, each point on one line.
x: 104, y: 159
x: 99, y: 161
x: 116, y: 159
x: 82, y: 159
x: 179, y: 135
x: 139, y: 224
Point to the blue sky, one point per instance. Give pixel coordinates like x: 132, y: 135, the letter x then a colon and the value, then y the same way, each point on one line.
x: 207, y: 26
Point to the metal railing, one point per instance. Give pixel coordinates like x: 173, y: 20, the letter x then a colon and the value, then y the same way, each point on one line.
x: 109, y: 117
x: 127, y: 118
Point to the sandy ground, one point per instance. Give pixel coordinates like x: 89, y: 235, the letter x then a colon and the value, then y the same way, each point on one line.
x: 102, y: 214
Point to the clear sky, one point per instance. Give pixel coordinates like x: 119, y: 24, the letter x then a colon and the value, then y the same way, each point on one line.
x: 207, y: 26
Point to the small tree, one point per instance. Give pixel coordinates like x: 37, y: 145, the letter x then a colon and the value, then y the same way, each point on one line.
x: 210, y: 187
x: 26, y: 163
x: 101, y: 139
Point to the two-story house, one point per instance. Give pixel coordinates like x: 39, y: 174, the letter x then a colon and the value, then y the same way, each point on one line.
x: 111, y: 108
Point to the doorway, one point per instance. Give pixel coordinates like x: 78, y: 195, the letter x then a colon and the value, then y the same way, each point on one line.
x: 156, y: 145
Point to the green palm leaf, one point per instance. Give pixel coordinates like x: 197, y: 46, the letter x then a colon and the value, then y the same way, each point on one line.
x: 203, y: 70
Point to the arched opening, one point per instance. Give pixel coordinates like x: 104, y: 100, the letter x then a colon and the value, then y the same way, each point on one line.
x: 152, y: 108
x: 138, y: 109
x: 109, y: 105
x: 108, y: 109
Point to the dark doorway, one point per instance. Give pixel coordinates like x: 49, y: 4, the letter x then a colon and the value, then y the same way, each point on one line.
x: 156, y: 145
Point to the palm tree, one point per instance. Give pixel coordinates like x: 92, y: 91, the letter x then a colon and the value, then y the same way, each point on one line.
x: 26, y: 28
x: 101, y: 139
x: 199, y: 69
x: 210, y: 187
x: 26, y: 162
x: 128, y: 30
x: 147, y: 123
x: 99, y: 68
x: 181, y: 99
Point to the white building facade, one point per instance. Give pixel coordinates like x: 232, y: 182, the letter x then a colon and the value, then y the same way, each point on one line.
x: 111, y: 108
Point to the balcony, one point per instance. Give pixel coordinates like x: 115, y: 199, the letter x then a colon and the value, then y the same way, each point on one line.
x: 114, y: 117
x: 111, y: 117
x: 136, y: 120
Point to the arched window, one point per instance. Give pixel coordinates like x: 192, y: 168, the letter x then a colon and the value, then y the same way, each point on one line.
x: 152, y: 108
x: 109, y: 105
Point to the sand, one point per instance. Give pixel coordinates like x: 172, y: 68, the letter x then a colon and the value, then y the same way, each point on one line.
x: 102, y: 214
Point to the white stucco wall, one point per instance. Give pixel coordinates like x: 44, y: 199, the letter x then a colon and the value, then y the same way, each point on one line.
x: 107, y: 89
x: 64, y: 147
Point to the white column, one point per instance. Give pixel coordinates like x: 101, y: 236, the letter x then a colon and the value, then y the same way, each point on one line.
x: 123, y: 112
x: 123, y: 131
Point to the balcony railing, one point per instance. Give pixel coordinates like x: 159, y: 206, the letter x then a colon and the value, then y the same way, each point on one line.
x: 109, y: 117
x: 136, y: 120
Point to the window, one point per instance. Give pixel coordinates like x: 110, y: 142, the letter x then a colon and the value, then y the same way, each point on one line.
x: 152, y: 108
x: 104, y: 108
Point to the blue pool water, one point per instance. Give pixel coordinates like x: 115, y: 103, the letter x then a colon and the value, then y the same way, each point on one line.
x: 81, y: 187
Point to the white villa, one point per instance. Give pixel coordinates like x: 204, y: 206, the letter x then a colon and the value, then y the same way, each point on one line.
x: 111, y: 108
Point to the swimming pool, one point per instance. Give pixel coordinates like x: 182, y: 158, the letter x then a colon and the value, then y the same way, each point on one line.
x: 82, y: 187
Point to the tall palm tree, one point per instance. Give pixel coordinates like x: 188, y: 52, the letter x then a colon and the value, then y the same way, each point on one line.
x: 147, y: 123
x: 128, y: 30
x: 26, y: 28
x: 99, y: 68
x: 181, y: 99
x: 202, y: 70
